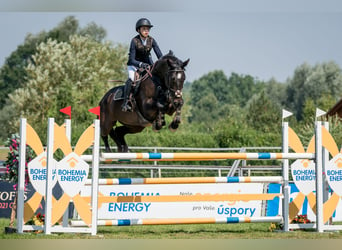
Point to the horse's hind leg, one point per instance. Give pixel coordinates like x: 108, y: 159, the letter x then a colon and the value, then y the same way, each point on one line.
x: 120, y: 133
x: 105, y: 141
x: 106, y: 128
x: 113, y: 134
x: 118, y: 137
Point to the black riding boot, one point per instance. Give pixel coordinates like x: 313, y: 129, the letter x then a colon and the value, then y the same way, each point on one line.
x: 160, y: 98
x: 126, y: 107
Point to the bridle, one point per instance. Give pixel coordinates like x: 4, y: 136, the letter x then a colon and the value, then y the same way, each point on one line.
x: 177, y: 92
x: 173, y: 93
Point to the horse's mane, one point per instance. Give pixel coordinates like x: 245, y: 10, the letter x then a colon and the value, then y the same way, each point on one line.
x: 170, y: 56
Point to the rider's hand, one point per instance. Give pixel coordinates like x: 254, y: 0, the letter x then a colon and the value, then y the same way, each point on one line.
x: 145, y: 65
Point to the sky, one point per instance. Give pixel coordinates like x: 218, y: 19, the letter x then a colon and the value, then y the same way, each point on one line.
x: 261, y: 38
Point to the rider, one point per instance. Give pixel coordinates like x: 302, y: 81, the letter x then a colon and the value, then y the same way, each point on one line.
x: 139, y: 55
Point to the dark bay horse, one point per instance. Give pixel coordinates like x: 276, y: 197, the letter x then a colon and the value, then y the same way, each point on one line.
x: 159, y: 93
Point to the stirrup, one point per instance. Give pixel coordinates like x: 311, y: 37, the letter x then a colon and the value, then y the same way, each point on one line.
x: 126, y: 107
x: 160, y: 105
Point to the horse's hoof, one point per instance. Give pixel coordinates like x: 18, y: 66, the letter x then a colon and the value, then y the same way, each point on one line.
x: 155, y: 130
x: 156, y: 126
x: 172, y: 129
x: 123, y: 149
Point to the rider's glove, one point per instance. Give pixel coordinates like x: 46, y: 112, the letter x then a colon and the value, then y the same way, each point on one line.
x: 144, y: 65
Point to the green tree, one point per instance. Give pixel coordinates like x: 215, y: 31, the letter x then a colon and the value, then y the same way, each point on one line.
x: 313, y: 83
x: 63, y: 74
x: 263, y: 115
x: 212, y: 96
x: 241, y: 88
x: 68, y: 27
x: 13, y: 73
x: 206, y: 109
x: 276, y: 92
x: 213, y: 82
x: 237, y: 133
x: 206, y: 95
x: 325, y: 102
x: 94, y: 31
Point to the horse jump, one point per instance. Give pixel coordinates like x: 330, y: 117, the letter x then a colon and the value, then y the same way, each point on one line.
x: 317, y: 156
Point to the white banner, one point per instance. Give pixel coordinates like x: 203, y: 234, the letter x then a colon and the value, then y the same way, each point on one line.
x: 133, y: 210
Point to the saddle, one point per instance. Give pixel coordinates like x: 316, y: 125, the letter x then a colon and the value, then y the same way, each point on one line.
x: 140, y: 75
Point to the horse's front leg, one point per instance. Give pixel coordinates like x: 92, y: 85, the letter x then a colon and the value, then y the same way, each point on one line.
x: 176, y: 121
x: 178, y: 103
x: 159, y: 122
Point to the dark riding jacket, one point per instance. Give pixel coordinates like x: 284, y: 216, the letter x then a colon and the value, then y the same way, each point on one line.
x: 139, y: 53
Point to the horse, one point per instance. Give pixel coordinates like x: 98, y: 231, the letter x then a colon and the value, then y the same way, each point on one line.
x: 159, y: 92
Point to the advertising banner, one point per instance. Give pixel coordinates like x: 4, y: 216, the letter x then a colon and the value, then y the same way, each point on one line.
x: 191, y: 209
x: 8, y: 195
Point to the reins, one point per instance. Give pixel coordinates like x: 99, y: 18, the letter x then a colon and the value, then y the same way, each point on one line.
x: 149, y: 73
x: 116, y: 81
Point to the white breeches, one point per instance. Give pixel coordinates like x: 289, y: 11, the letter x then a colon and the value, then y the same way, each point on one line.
x: 131, y: 71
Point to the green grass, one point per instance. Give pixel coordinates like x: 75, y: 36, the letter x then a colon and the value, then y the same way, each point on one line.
x: 204, y: 231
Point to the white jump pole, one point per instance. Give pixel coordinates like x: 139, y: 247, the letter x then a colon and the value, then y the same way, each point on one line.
x: 95, y: 177
x: 286, y: 187
x: 21, y: 177
x: 178, y: 221
x: 319, y: 177
x: 325, y: 163
x: 67, y: 124
x: 206, y: 156
x: 49, y: 173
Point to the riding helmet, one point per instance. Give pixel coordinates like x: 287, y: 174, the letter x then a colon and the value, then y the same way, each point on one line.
x: 142, y: 22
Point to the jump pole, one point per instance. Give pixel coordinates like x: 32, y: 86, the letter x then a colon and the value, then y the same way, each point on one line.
x: 319, y: 177
x: 286, y: 187
x: 21, y: 176
x: 189, y: 180
x: 175, y: 221
x: 95, y: 177
x: 67, y: 124
x: 206, y: 156
x: 49, y: 169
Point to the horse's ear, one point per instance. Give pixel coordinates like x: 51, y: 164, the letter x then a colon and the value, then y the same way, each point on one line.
x: 185, y: 63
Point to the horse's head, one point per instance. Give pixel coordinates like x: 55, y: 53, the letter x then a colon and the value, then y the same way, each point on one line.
x: 176, y: 76
x: 173, y: 71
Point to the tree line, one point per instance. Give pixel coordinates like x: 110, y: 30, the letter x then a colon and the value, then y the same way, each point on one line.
x: 71, y: 65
